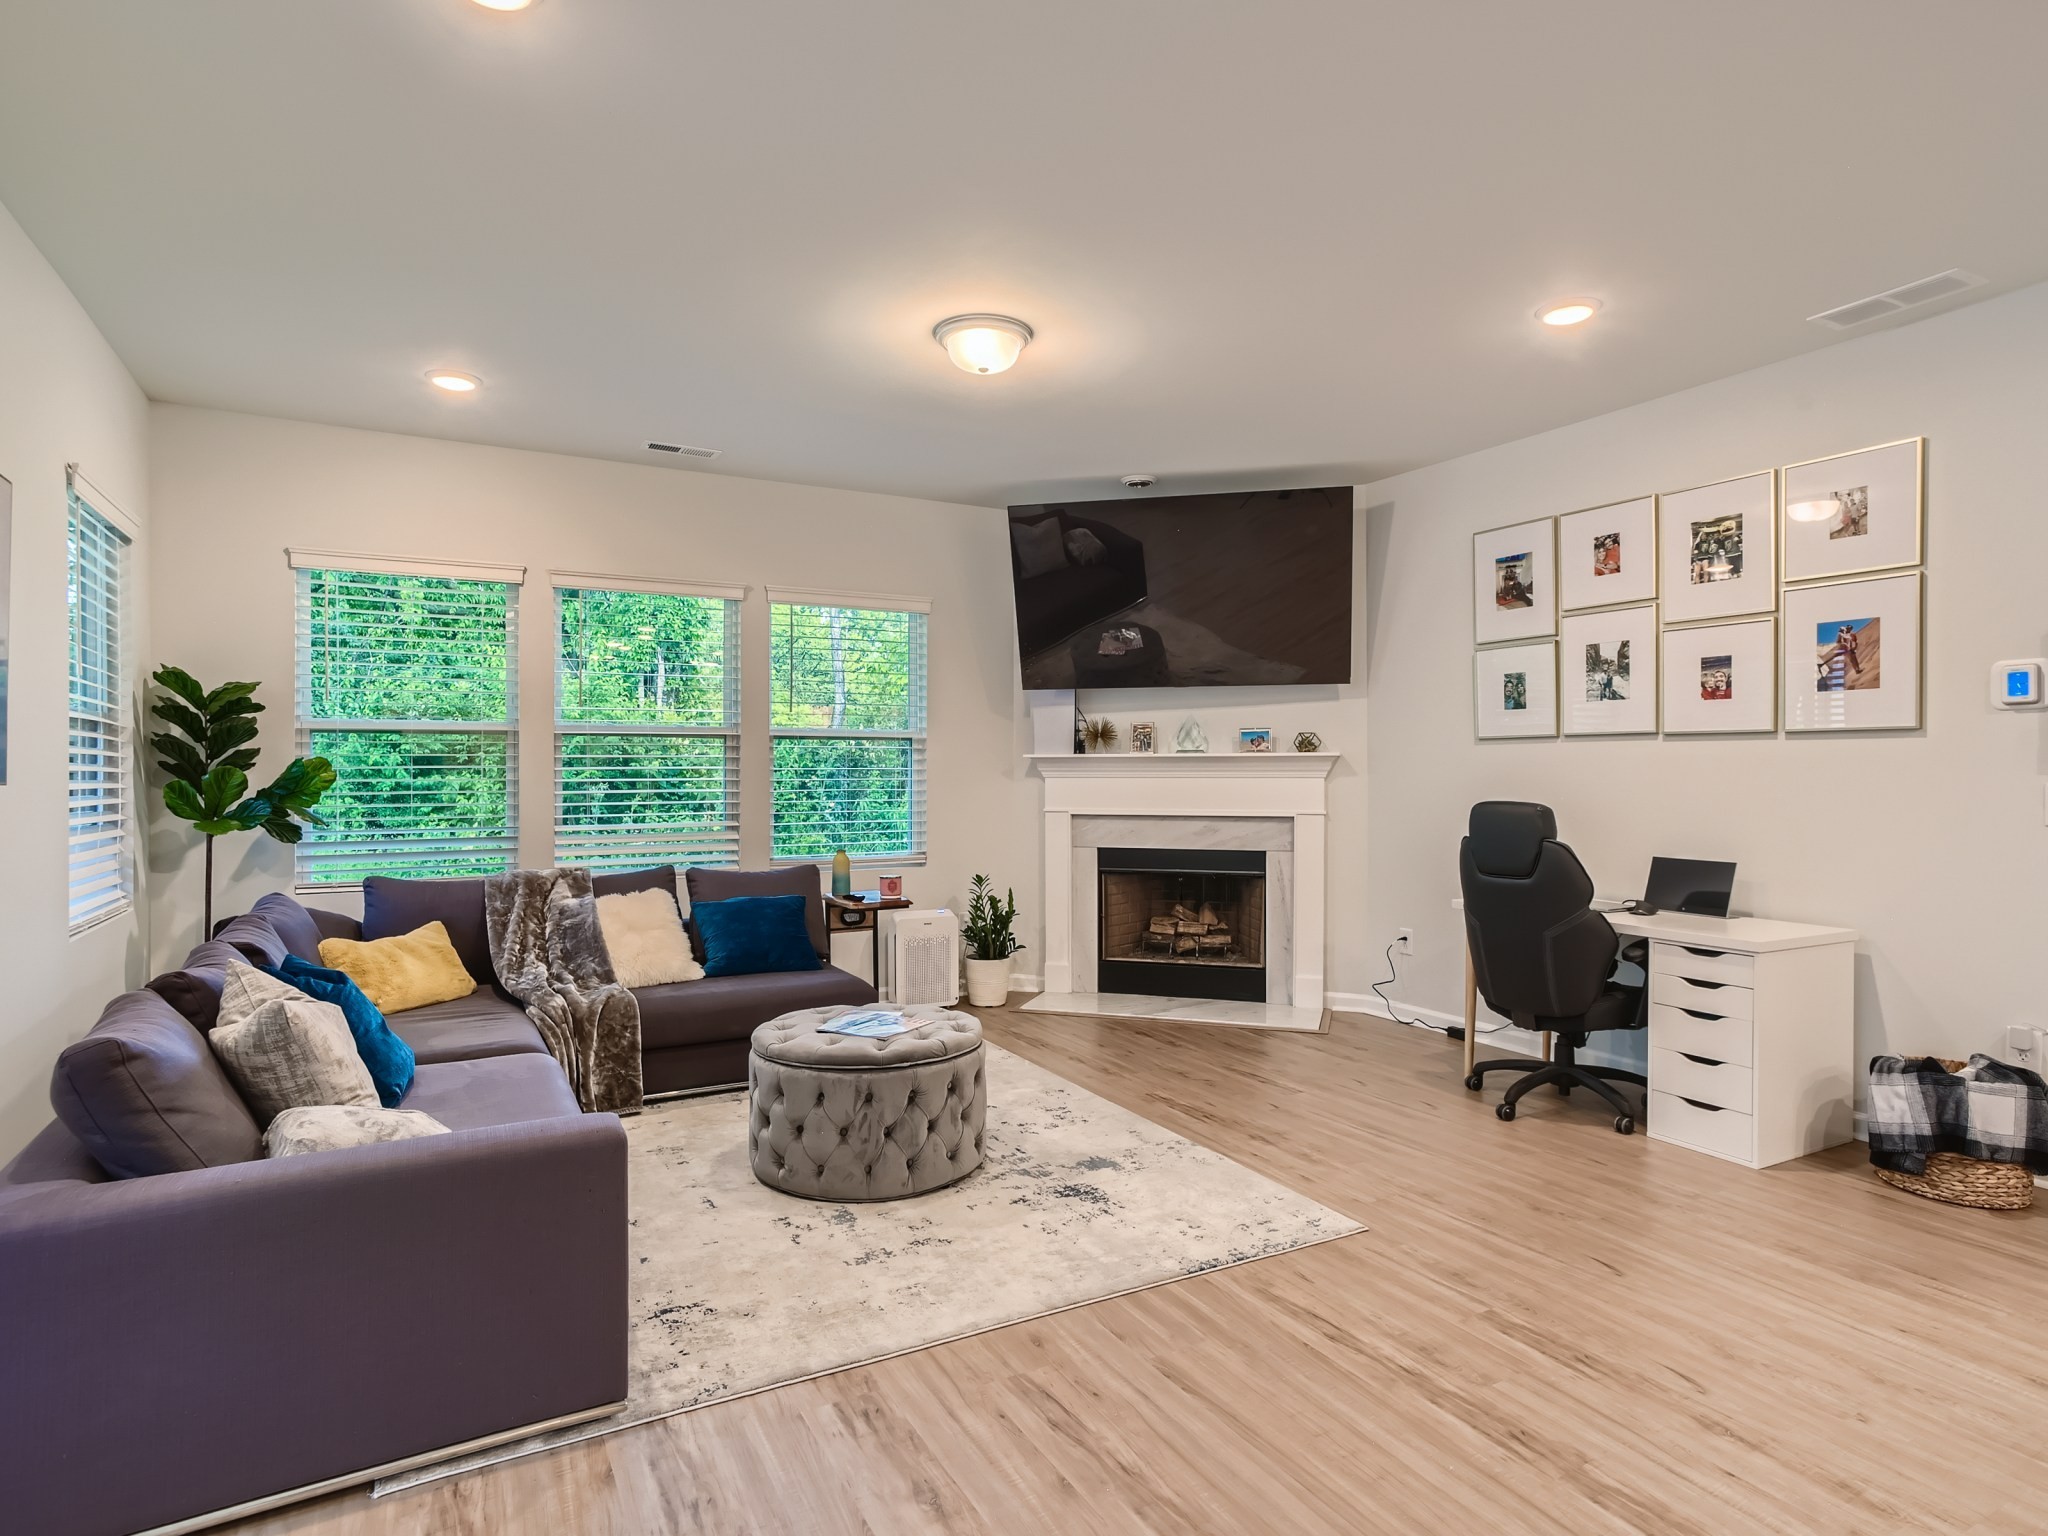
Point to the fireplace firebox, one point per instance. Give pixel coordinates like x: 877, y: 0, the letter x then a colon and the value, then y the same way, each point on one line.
x: 1182, y: 922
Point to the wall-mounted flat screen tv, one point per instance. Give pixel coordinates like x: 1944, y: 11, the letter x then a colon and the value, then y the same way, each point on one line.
x: 1246, y: 589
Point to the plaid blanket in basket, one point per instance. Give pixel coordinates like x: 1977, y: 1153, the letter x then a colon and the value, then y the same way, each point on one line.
x: 1988, y: 1110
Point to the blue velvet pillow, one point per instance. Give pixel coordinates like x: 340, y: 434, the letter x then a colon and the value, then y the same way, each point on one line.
x: 388, y: 1057
x: 749, y: 935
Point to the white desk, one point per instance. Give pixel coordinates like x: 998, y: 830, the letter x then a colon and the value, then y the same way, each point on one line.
x: 1752, y: 1033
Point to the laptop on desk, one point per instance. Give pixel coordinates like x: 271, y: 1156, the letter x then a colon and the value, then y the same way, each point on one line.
x: 1700, y: 886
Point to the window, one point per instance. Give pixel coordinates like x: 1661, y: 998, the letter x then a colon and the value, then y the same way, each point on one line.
x: 96, y: 559
x: 847, y: 721
x: 647, y: 708
x: 407, y: 684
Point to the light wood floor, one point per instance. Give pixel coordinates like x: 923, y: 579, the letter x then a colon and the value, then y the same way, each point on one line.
x: 1549, y: 1328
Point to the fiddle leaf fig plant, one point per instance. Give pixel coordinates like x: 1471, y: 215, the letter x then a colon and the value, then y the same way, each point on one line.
x: 207, y: 757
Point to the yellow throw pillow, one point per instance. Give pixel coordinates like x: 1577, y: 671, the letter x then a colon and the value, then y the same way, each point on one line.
x: 410, y: 971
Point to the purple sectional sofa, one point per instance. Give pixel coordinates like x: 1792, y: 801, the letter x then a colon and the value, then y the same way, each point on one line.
x: 189, y: 1330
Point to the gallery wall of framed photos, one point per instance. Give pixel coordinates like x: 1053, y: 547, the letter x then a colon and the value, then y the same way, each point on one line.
x: 1786, y: 599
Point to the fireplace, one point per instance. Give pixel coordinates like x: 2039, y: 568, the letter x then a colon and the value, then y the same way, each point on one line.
x: 1182, y: 922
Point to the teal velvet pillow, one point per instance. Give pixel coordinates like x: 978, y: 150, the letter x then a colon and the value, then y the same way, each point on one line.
x: 750, y: 935
x: 389, y: 1058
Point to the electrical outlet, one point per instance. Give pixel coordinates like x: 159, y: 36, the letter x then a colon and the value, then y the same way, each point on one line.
x: 1404, y: 942
x: 2023, y: 1046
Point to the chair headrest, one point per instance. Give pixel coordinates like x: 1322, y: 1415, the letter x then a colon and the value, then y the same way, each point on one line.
x: 1507, y: 836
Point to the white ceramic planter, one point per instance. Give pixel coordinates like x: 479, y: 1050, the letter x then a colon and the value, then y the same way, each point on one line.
x: 988, y: 983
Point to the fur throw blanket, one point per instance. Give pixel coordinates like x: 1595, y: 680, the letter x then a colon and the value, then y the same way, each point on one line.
x: 549, y: 953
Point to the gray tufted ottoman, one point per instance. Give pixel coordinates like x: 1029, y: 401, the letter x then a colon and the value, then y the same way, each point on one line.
x: 839, y: 1117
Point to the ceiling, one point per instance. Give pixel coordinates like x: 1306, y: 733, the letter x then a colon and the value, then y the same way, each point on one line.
x: 1285, y: 242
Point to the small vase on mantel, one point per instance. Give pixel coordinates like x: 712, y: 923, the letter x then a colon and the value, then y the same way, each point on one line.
x: 842, y: 874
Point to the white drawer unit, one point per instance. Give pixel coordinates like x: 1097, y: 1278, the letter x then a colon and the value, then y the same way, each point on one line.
x: 1701, y: 1034
x: 1718, y: 999
x: 1704, y: 1127
x: 1752, y: 1047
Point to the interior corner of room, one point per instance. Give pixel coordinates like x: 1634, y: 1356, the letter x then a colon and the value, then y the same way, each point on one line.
x: 811, y: 782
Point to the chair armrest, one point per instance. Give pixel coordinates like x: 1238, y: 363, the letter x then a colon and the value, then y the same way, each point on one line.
x: 183, y: 1343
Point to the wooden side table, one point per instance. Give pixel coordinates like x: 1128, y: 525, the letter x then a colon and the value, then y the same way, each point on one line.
x: 860, y: 914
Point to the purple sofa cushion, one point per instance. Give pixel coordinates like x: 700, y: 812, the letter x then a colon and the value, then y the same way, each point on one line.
x: 728, y: 1007
x: 392, y: 907
x: 255, y: 938
x: 496, y: 1090
x: 144, y: 1094
x: 485, y: 1023
x: 194, y: 988
x: 798, y: 880
x: 293, y: 923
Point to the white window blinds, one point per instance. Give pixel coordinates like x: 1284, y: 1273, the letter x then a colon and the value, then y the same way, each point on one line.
x: 647, y: 749
x: 408, y: 685
x: 847, y: 723
x: 101, y: 880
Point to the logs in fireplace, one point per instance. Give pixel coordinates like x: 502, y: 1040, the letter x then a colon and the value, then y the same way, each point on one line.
x: 1182, y: 922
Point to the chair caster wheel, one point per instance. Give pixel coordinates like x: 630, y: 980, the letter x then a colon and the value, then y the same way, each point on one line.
x: 1506, y: 1111
x: 1474, y: 1082
x: 1564, y: 1090
x: 1624, y: 1125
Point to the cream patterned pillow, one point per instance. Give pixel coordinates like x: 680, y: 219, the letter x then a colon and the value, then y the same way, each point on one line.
x: 284, y: 1050
x: 324, y: 1127
x: 644, y: 934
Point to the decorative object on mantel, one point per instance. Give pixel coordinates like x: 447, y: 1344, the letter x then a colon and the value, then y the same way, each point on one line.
x: 990, y: 943
x: 1307, y: 741
x: 1101, y: 735
x: 1191, y: 737
x: 842, y: 874
x: 1144, y: 736
x: 1257, y: 740
x: 208, y: 757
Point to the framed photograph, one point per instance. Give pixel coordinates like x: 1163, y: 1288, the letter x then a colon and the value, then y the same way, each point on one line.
x: 6, y: 556
x: 1717, y: 550
x: 1852, y: 655
x: 1720, y: 679
x: 1607, y: 666
x: 1255, y: 741
x: 1514, y: 582
x: 1515, y: 691
x: 1608, y: 555
x: 1855, y: 512
x: 1144, y: 736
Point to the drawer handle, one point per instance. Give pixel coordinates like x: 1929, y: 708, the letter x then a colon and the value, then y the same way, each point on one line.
x: 1694, y: 1013
x: 1694, y: 981
x: 1712, y: 1109
x: 1704, y: 954
x: 1704, y: 1061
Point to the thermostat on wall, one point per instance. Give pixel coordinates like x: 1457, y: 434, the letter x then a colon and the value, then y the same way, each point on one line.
x: 2017, y: 684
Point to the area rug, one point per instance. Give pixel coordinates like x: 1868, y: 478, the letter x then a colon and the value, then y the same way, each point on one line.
x: 737, y: 1288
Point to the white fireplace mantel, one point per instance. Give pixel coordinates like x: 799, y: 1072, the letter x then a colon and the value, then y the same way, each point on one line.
x: 1290, y: 785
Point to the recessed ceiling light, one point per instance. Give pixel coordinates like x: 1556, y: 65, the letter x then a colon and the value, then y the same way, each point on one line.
x: 982, y: 343
x: 1569, y: 312
x: 455, y: 383
x: 504, y: 5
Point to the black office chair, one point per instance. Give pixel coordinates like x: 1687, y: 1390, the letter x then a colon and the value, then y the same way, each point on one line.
x: 1542, y: 955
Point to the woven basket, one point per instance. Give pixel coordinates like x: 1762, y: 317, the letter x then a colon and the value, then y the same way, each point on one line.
x: 1959, y: 1180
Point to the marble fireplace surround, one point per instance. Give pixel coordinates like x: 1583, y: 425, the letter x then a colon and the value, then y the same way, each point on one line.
x: 1277, y: 803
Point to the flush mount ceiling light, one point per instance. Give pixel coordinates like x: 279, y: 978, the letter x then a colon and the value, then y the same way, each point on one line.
x: 1569, y: 312
x: 453, y: 382
x: 982, y: 343
x: 504, y: 5
x: 1818, y: 510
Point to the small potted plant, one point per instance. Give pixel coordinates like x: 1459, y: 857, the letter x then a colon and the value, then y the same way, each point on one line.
x: 990, y: 943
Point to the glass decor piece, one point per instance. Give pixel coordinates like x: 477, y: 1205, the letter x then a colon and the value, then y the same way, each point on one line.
x: 1191, y: 737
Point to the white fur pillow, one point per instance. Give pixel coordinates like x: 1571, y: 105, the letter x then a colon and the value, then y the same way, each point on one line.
x: 643, y: 931
x: 324, y: 1127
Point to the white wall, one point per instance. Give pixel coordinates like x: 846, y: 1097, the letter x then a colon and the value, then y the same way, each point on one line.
x: 231, y: 492
x: 64, y: 398
x: 1930, y: 843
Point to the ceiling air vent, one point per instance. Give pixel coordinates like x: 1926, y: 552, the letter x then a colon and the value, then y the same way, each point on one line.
x: 688, y: 453
x: 1893, y: 300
